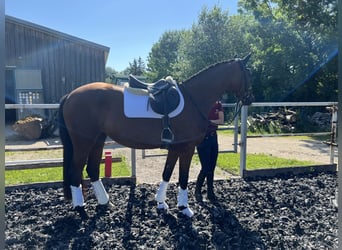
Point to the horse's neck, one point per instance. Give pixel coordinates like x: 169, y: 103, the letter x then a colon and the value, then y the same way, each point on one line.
x: 207, y: 87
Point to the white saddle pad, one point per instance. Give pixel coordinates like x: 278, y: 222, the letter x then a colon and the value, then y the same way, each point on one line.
x: 136, y: 104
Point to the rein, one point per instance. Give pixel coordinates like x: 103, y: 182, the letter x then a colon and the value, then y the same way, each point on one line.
x: 238, y: 105
x: 243, y: 100
x: 204, y: 117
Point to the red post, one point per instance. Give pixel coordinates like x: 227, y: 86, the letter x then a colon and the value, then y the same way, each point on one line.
x: 108, y: 164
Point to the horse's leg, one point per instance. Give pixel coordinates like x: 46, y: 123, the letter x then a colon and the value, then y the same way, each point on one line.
x: 82, y: 147
x: 93, y: 170
x: 75, y: 175
x: 184, y: 166
x: 170, y: 163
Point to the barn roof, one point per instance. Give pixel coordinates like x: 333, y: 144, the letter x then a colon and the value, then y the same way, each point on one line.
x: 57, y: 34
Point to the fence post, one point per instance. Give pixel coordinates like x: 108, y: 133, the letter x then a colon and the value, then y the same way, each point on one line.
x: 2, y: 123
x: 333, y: 133
x: 236, y: 133
x: 243, y: 140
x: 133, y: 160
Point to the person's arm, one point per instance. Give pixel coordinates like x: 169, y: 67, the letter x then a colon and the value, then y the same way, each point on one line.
x: 220, y: 120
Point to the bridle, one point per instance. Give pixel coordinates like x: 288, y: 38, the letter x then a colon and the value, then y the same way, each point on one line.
x: 244, y: 96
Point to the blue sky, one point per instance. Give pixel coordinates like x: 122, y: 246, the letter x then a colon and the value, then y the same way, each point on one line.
x: 128, y: 27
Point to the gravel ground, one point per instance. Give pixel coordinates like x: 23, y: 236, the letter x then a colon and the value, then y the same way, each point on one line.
x: 292, y: 212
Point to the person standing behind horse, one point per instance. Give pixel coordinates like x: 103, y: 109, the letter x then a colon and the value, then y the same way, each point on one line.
x: 208, y: 153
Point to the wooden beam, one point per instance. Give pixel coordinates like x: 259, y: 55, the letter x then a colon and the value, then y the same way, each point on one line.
x: 59, y: 184
x: 272, y: 172
x: 49, y: 163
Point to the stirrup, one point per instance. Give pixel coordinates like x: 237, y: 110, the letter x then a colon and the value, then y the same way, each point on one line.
x: 167, y: 136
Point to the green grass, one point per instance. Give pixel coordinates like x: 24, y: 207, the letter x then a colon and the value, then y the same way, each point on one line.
x: 226, y: 132
x: 231, y: 162
x: 15, y: 177
x: 302, y: 137
x: 227, y: 161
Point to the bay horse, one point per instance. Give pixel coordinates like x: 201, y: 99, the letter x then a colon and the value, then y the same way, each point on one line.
x: 90, y: 113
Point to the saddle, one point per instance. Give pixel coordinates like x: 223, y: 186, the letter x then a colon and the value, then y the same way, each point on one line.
x: 163, y: 99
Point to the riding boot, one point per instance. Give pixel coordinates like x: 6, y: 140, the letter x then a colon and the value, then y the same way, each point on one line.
x: 199, y: 183
x: 210, y: 183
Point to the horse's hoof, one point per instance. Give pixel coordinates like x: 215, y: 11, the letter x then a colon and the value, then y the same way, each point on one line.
x: 186, y: 211
x: 104, y: 207
x: 162, y: 206
x: 81, y: 211
x: 198, y: 197
x: 213, y: 199
x: 110, y: 205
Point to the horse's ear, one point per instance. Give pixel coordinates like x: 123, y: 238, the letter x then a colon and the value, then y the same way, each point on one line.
x: 246, y: 58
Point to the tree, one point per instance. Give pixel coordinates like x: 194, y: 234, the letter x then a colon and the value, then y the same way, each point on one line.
x: 292, y: 39
x: 163, y: 55
x: 137, y: 67
x: 214, y: 38
x: 110, y: 74
x: 206, y: 43
x: 320, y: 86
x: 288, y: 40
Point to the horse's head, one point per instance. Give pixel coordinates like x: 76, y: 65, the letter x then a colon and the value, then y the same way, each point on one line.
x: 243, y: 82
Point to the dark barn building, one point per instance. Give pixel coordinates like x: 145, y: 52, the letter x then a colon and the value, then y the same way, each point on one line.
x: 43, y: 64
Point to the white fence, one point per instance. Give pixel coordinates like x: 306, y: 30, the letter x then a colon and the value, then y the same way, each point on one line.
x: 244, y: 115
x: 243, y: 132
x: 11, y: 165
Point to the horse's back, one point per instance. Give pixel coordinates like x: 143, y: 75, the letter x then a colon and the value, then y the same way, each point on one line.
x: 87, y: 106
x: 91, y: 93
x: 95, y: 86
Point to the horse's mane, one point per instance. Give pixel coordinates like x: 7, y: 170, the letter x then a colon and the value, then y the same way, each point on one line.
x: 208, y: 68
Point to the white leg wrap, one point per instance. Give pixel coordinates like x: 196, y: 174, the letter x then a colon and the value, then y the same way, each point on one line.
x: 100, y: 192
x: 77, y: 196
x: 182, y: 197
x: 161, y: 193
x: 335, y: 201
x: 183, y: 202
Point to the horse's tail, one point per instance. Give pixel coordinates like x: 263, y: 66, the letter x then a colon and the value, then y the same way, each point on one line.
x: 67, y: 149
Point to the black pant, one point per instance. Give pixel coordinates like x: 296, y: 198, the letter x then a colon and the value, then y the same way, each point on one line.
x: 208, y: 152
